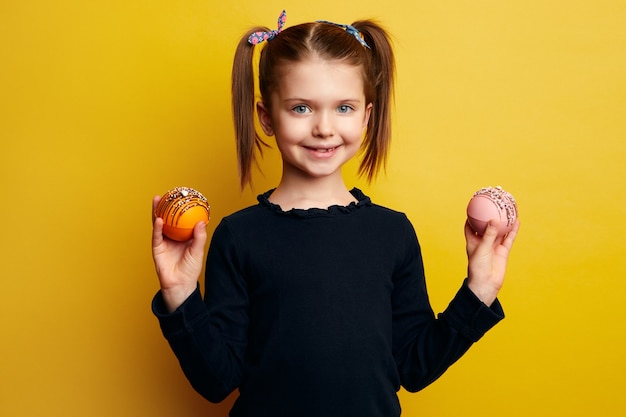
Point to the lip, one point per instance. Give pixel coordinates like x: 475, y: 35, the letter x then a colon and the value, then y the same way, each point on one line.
x: 322, y: 152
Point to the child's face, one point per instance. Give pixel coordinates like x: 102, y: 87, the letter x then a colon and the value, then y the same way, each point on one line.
x: 318, y: 115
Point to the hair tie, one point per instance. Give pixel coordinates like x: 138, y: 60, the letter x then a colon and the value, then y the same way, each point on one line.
x: 260, y: 36
x: 351, y: 30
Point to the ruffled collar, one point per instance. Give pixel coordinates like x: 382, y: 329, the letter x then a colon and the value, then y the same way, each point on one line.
x: 362, y: 201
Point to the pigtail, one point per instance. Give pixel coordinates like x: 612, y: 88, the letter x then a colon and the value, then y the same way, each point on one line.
x: 381, y: 72
x: 243, y: 107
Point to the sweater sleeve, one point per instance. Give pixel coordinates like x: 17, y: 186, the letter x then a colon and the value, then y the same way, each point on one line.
x: 209, y: 337
x: 425, y: 345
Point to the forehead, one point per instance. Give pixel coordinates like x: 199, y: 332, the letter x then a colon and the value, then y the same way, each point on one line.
x: 320, y: 78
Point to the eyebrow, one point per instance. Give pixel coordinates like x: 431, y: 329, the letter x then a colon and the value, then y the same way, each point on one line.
x: 308, y: 100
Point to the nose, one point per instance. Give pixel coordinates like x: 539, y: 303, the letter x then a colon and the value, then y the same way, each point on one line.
x: 323, y: 126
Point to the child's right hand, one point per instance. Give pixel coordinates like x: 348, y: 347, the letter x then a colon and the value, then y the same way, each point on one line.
x: 178, y: 264
x: 487, y: 259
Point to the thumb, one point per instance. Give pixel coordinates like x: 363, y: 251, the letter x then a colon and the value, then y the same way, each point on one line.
x: 199, y: 239
x: 491, y: 233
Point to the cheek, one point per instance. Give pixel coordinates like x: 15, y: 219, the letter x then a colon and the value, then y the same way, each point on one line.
x: 289, y: 135
x: 355, y: 130
x: 293, y: 128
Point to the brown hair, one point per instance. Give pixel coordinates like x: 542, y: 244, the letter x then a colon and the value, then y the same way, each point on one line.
x: 326, y: 41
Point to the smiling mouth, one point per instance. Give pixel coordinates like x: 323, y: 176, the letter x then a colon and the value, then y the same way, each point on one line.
x: 322, y: 150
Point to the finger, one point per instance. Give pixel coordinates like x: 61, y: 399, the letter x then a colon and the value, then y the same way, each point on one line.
x: 199, y: 239
x: 469, y: 232
x: 510, y: 237
x: 155, y: 202
x: 157, y: 232
x: 491, y: 234
x: 471, y: 238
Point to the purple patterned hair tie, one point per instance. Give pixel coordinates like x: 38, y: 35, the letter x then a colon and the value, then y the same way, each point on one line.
x: 351, y: 30
x: 258, y: 37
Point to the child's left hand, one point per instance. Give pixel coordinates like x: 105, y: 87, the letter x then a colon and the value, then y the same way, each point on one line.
x: 487, y: 257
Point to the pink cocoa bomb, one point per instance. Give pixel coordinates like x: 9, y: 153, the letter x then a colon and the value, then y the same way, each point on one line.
x: 492, y: 203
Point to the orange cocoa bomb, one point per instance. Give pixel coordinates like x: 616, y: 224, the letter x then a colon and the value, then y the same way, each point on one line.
x: 492, y: 204
x: 181, y: 208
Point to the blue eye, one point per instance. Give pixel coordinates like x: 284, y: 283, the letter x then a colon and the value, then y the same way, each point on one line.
x: 301, y: 109
x: 344, y: 108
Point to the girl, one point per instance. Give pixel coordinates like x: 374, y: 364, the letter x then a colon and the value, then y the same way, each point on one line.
x: 315, y: 300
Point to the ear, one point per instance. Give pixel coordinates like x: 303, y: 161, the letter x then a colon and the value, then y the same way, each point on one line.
x: 264, y: 118
x: 368, y: 112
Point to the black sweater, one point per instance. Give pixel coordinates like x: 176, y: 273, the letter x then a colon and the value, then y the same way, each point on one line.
x: 318, y: 313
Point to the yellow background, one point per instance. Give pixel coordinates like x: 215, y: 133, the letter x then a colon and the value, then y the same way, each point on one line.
x: 104, y: 104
